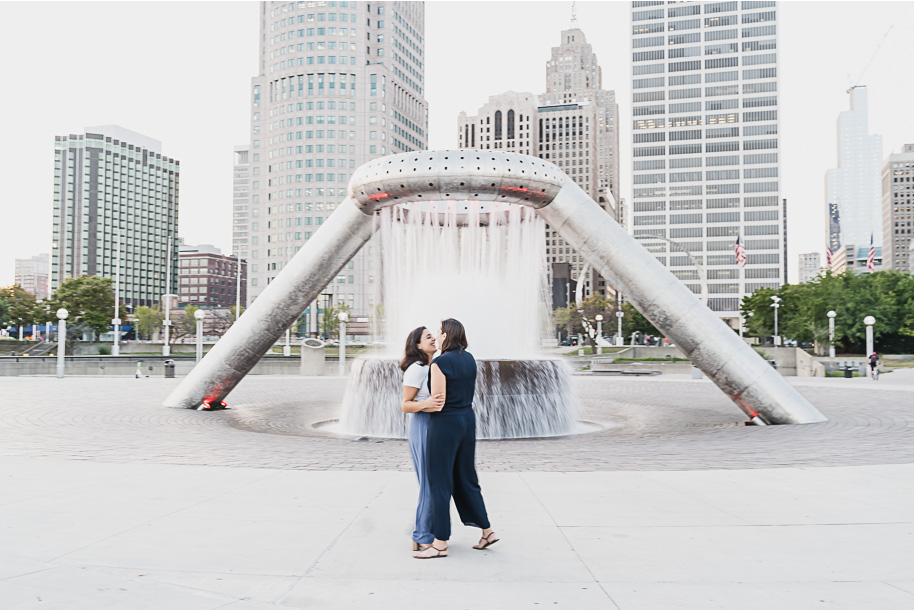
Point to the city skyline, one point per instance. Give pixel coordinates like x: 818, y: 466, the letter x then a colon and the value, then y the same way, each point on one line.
x: 202, y: 133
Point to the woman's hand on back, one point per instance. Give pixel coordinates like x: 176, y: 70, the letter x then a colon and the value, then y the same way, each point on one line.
x: 434, y: 403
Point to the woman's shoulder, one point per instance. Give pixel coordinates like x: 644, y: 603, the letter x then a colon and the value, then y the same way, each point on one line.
x: 417, y: 366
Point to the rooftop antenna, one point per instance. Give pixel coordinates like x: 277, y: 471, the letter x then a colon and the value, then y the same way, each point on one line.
x: 574, y: 15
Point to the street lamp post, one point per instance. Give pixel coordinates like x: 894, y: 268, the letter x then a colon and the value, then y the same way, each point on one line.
x: 287, y: 349
x: 116, y: 321
x: 869, y: 322
x: 166, y: 346
x: 62, y: 315
x: 199, y: 315
x: 342, y: 317
x: 777, y: 339
x: 619, y: 339
x: 599, y: 319
x: 831, y: 333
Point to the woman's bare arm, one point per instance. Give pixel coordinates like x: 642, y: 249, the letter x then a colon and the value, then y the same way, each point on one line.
x: 431, y: 404
x: 439, y: 386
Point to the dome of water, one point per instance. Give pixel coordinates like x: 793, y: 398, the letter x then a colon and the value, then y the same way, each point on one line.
x: 485, y: 266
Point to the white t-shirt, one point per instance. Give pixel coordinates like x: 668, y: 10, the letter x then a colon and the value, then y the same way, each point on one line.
x: 416, y: 376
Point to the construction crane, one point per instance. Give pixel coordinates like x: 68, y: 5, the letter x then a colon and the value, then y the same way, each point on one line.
x: 856, y: 82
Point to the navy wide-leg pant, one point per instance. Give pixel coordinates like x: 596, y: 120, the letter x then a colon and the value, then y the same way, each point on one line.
x: 451, y: 459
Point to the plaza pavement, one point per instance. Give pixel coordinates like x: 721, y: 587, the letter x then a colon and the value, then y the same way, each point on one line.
x: 109, y: 501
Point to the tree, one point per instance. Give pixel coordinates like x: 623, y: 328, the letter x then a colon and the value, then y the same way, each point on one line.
x: 20, y: 306
x: 330, y: 324
x: 565, y: 318
x: 88, y: 299
x: 185, y: 325
x: 633, y: 321
x: 148, y: 320
x: 887, y: 295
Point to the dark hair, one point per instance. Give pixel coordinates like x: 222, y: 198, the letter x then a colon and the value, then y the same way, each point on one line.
x: 413, y: 353
x: 456, y: 336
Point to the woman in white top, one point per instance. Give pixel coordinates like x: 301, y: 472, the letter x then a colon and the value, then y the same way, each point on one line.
x: 418, y: 403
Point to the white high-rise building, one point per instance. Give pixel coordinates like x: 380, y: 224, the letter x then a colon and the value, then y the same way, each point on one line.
x: 854, y: 188
x: 32, y: 274
x: 340, y: 83
x: 705, y: 145
x: 115, y: 212
x: 810, y: 266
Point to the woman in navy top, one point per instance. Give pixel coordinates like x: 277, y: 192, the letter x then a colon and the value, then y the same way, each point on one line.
x: 451, y: 444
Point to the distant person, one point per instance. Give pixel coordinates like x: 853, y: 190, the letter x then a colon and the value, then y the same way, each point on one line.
x: 451, y: 450
x: 418, y: 403
x: 874, y: 366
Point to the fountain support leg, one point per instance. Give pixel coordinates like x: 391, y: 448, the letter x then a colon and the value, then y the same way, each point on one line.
x: 276, y: 309
x: 708, y: 342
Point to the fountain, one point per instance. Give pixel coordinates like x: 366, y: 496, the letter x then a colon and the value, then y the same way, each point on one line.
x: 484, y: 264
x: 497, y: 176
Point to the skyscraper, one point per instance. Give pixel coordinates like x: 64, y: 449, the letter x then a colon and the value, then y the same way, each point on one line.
x: 854, y: 188
x: 115, y: 206
x: 705, y: 145
x: 32, y: 275
x: 573, y: 125
x: 573, y: 76
x: 898, y: 209
x: 340, y: 83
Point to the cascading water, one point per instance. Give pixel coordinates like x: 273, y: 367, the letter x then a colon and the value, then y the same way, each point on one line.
x: 484, y: 265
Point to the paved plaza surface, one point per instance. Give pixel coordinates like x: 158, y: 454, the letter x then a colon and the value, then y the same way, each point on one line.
x: 109, y: 501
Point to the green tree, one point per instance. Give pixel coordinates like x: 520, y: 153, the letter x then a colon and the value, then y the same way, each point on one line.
x: 887, y: 295
x: 185, y: 325
x: 89, y: 300
x: 330, y: 325
x: 21, y: 306
x: 148, y: 320
x: 633, y: 321
x: 565, y: 318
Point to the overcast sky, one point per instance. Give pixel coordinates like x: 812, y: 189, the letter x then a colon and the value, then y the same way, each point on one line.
x: 180, y: 72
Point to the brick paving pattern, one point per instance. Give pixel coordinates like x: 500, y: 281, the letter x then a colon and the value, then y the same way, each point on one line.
x: 653, y: 424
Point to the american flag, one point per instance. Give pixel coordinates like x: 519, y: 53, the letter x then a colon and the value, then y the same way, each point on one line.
x: 871, y: 256
x: 740, y: 252
x: 828, y: 255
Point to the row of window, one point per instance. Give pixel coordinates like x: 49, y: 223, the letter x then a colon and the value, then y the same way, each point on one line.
x: 711, y: 147
x: 716, y: 217
x: 710, y: 105
x: 709, y: 175
x: 716, y: 49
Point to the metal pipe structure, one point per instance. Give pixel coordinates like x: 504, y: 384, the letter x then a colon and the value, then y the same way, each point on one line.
x: 510, y: 178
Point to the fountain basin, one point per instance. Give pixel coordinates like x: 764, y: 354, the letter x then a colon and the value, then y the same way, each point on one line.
x: 529, y: 398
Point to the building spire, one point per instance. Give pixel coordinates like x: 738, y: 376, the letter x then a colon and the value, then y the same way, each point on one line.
x: 574, y: 15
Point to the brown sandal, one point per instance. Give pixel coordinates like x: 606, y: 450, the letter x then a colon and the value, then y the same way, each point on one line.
x: 439, y: 553
x: 486, y: 541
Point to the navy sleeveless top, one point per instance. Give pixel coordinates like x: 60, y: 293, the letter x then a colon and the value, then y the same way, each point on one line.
x: 459, y: 368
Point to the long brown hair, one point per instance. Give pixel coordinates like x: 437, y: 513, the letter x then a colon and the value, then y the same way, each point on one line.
x: 456, y: 336
x: 412, y: 352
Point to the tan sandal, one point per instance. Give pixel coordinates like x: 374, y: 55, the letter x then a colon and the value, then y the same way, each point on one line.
x: 486, y: 541
x: 418, y: 546
x: 439, y: 553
